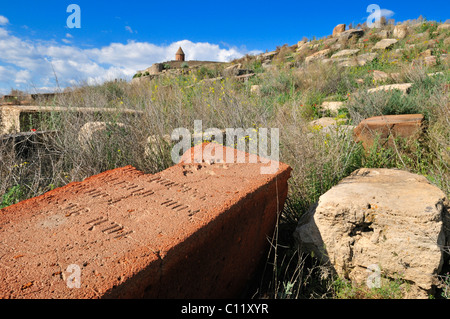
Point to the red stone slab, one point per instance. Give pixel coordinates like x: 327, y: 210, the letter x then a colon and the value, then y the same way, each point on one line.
x: 192, y: 231
x: 386, y: 126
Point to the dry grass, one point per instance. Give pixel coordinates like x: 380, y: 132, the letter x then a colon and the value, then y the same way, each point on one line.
x: 290, y: 98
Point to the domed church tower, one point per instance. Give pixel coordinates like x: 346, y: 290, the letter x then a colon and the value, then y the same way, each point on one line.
x: 179, y: 56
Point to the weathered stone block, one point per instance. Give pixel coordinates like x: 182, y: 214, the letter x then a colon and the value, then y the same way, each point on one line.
x: 400, y: 31
x: 338, y: 29
x: 384, y: 44
x: 402, y: 87
x: 387, y: 127
x: 317, y: 55
x: 191, y: 231
x: 387, y: 218
x: 344, y: 53
x: 352, y: 33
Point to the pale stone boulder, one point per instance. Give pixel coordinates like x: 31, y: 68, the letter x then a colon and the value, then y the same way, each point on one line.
x: 345, y: 53
x: 402, y: 87
x: 400, y: 31
x: 266, y: 56
x: 396, y: 76
x: 385, y: 218
x: 330, y: 126
x: 255, y: 89
x: 9, y: 119
x: 384, y: 34
x: 338, y: 29
x: 444, y: 26
x: 384, y: 44
x: 352, y: 33
x: 301, y: 45
x: 347, y: 62
x: 329, y: 42
x: 340, y: 129
x: 323, y: 122
x: 268, y: 66
x: 430, y: 60
x: 426, y: 53
x: 232, y: 70
x: 88, y: 131
x: 336, y: 46
x: 332, y: 106
x: 365, y: 58
x: 436, y: 74
x: 380, y: 76
x: 317, y: 56
x: 156, y: 143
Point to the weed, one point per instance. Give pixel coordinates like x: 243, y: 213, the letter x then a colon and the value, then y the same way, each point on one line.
x: 12, y: 196
x: 391, y: 288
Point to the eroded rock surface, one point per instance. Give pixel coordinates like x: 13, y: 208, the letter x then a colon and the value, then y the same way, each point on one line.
x: 385, y: 217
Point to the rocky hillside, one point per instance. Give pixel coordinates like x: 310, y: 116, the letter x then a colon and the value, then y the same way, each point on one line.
x: 423, y: 42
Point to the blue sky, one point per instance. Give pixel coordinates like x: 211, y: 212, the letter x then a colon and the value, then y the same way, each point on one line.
x: 117, y: 38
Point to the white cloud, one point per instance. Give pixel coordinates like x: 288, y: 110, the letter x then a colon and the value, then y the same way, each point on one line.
x: 23, y: 76
x: 35, y: 62
x: 383, y: 13
x: 387, y: 13
x: 6, y: 75
x: 3, y: 20
x: 128, y: 28
x: 68, y: 35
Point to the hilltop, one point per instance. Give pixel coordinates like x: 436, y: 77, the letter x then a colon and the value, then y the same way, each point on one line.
x: 416, y: 41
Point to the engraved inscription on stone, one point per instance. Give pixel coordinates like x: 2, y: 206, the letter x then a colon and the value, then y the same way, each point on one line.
x: 108, y: 227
